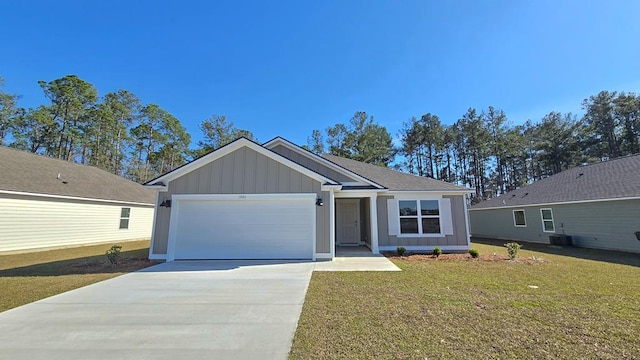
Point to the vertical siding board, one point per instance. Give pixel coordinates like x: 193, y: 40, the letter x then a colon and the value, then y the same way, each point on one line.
x: 283, y: 178
x: 323, y: 239
x: 383, y: 226
x: 250, y: 168
x: 239, y: 157
x: 226, y: 187
x: 306, y: 184
x: 216, y: 177
x: 459, y: 236
x: 193, y: 180
x: 204, y: 180
x: 295, y: 180
x: 161, y: 230
x: 261, y: 173
x: 272, y: 176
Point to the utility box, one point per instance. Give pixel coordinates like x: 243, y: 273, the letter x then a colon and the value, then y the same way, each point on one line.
x: 560, y: 240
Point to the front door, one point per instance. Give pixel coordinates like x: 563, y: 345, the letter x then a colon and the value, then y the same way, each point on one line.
x: 347, y: 222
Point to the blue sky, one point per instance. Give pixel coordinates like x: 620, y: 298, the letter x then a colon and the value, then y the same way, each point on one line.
x: 285, y: 68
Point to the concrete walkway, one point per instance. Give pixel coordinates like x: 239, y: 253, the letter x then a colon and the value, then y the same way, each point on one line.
x: 356, y: 258
x: 178, y: 310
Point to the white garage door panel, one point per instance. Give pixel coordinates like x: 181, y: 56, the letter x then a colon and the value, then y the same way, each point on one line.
x: 274, y: 228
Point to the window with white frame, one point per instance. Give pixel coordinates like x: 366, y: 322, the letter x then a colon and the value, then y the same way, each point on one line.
x: 547, y: 220
x: 125, y: 214
x: 519, y: 219
x: 419, y: 217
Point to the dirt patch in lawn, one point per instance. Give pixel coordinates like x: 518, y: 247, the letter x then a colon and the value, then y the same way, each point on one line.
x: 95, y: 266
x: 466, y: 257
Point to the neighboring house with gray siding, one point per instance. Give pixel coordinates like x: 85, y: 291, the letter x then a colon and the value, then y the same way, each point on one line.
x: 598, y: 205
x: 51, y: 203
x: 279, y: 201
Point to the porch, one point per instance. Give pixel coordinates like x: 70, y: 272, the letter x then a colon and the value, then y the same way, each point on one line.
x: 356, y: 229
x: 356, y: 258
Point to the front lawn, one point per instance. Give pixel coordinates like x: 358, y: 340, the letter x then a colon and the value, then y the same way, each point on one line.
x: 568, y: 305
x: 28, y: 277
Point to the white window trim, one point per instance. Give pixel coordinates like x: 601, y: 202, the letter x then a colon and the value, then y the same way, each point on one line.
x: 420, y: 216
x: 543, y: 220
x: 122, y: 218
x: 525, y: 218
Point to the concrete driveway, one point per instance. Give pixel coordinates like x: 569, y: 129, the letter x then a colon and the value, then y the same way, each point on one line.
x: 178, y: 310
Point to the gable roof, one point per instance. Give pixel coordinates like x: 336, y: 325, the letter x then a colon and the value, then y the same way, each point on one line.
x: 323, y: 161
x: 37, y: 174
x: 228, y: 148
x: 612, y: 179
x: 392, y: 179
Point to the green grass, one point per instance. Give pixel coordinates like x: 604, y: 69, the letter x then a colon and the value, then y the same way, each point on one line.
x: 582, y: 308
x: 28, y: 277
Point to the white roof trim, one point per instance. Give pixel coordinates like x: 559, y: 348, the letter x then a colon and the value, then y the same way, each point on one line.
x: 281, y: 141
x: 229, y: 148
x: 557, y: 203
x: 443, y: 192
x: 161, y: 188
x: 22, y: 193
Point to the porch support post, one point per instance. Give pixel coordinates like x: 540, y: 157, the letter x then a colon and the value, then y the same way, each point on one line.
x: 332, y: 223
x: 373, y: 220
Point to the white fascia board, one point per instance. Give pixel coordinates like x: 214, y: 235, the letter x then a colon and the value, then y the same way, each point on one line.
x: 21, y: 193
x: 358, y: 193
x: 328, y: 187
x: 427, y: 193
x: 160, y: 188
x: 320, y: 159
x: 557, y: 203
x: 353, y: 183
x: 231, y: 147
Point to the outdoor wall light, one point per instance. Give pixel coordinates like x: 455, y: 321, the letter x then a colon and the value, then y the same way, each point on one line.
x: 166, y: 203
x: 319, y: 202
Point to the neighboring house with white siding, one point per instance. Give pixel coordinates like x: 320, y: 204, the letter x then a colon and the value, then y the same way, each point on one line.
x: 49, y: 203
x: 598, y: 205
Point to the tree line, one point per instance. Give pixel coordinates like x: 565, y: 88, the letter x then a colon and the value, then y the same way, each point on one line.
x: 483, y: 150
x: 116, y: 132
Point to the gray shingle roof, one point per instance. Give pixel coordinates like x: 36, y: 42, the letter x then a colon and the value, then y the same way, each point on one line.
x: 26, y: 172
x: 392, y: 179
x: 617, y: 178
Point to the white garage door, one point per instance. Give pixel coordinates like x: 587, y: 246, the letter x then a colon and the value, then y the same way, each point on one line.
x: 251, y: 227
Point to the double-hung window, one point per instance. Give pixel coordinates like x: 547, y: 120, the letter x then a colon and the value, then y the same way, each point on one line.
x: 419, y: 217
x: 519, y: 220
x: 547, y: 220
x: 125, y: 213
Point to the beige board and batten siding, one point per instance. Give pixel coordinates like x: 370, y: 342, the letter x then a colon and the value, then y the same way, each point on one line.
x: 32, y: 222
x: 243, y: 171
x: 312, y: 164
x: 459, y: 237
x: 609, y: 225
